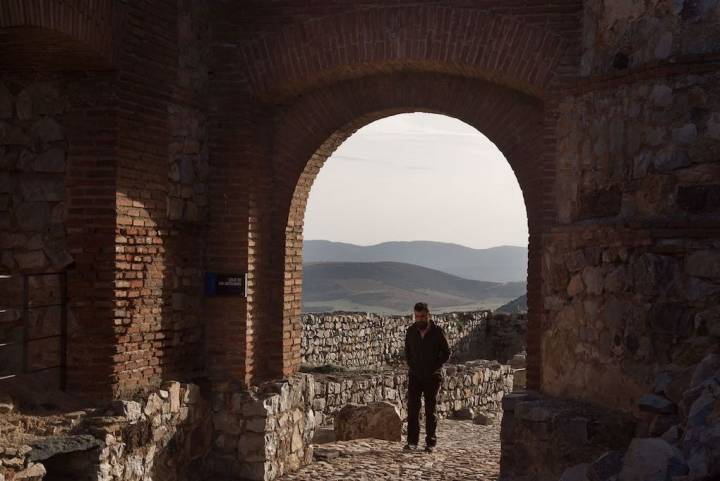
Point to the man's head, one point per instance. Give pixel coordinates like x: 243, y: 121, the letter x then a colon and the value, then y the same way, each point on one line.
x: 422, y: 315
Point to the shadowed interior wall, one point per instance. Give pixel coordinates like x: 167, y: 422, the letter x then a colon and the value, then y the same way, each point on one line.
x: 631, y: 278
x: 106, y: 166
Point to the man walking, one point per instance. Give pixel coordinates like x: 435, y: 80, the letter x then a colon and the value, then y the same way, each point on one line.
x: 426, y: 350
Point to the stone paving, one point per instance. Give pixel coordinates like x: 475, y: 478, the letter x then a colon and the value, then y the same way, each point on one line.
x: 465, y: 451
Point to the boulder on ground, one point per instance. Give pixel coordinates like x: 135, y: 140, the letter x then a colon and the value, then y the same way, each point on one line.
x: 484, y: 419
x: 656, y: 404
x: 465, y: 413
x: 661, y: 423
x: 7, y: 405
x: 709, y: 366
x: 652, y: 459
x: 34, y: 472
x: 379, y: 420
x: 575, y: 473
x: 606, y: 467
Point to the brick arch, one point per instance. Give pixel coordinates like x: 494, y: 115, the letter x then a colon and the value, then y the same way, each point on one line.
x: 56, y: 34
x: 459, y: 41
x: 312, y: 128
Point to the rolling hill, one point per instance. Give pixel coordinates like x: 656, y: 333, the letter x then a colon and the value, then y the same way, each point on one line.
x: 393, y: 287
x: 496, y: 264
x: 516, y: 306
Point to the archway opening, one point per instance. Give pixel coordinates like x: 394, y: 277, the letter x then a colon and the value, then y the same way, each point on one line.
x: 416, y: 192
x: 314, y: 126
x: 396, y: 217
x: 404, y: 200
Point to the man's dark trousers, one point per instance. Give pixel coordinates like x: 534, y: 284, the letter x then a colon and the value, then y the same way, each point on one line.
x: 429, y: 388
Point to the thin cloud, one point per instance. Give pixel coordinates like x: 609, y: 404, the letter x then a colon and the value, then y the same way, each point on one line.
x: 366, y: 160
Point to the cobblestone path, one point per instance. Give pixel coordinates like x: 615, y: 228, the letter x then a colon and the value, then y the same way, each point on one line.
x: 465, y: 451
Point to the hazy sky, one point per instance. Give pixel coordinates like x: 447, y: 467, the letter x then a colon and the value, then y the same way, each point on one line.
x: 417, y: 177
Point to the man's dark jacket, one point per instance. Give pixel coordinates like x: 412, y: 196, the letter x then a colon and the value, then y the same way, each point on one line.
x: 426, y: 355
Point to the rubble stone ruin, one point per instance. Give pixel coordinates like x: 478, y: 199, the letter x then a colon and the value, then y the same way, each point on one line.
x: 145, y: 145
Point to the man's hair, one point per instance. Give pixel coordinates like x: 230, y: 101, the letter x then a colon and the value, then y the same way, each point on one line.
x: 421, y: 307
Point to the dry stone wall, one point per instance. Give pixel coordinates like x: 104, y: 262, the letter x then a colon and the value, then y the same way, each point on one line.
x: 477, y: 385
x: 364, y: 340
x: 164, y: 436
x: 265, y: 431
x: 172, y: 434
x: 167, y: 436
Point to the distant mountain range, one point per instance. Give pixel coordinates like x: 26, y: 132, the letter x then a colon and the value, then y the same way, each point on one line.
x: 394, y: 287
x: 496, y: 264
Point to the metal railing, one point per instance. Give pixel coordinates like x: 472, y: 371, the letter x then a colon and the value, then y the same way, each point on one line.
x: 26, y: 307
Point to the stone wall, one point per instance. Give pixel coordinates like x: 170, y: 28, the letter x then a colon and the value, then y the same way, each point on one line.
x: 16, y: 464
x: 675, y: 432
x: 541, y: 436
x: 364, y: 340
x: 54, y: 156
x: 631, y: 276
x: 265, y: 431
x: 165, y: 436
x: 632, y: 33
x: 478, y: 385
x: 33, y: 150
x: 678, y: 429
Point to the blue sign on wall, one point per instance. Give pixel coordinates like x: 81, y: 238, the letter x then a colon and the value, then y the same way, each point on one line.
x: 225, y: 284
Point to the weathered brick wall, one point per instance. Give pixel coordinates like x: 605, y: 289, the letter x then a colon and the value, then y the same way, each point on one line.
x: 631, y: 273
x: 161, y: 201
x: 363, y: 340
x: 104, y: 176
x: 57, y: 35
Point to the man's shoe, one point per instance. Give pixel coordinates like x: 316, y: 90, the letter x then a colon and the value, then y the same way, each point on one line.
x: 410, y: 447
x: 429, y: 449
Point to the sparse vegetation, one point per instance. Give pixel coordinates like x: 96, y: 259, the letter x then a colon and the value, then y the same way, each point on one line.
x: 322, y: 368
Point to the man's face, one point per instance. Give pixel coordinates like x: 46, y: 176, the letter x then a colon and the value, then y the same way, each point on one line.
x: 421, y: 319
